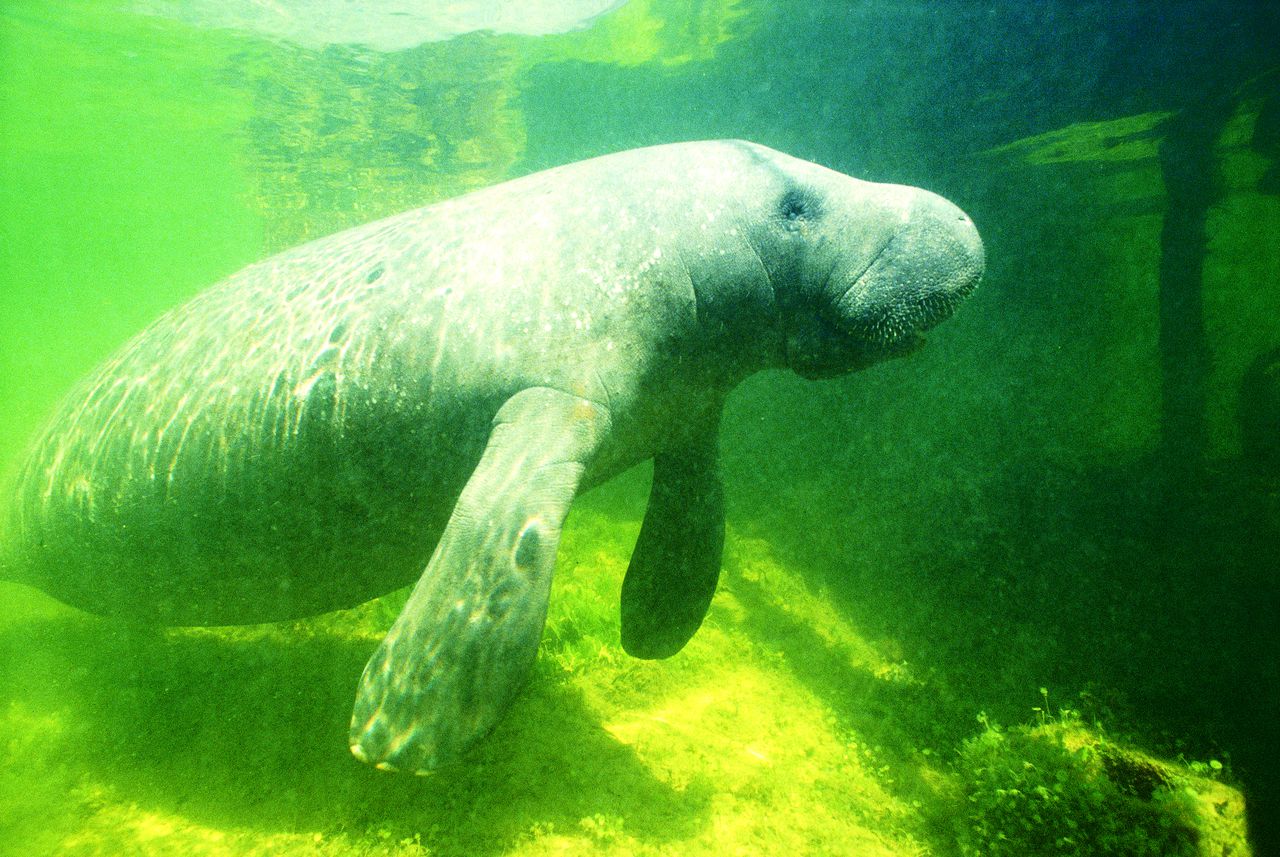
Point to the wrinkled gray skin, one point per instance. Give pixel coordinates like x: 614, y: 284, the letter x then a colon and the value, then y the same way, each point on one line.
x: 421, y: 398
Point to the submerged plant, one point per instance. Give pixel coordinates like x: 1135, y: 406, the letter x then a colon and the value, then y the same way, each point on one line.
x: 1057, y: 788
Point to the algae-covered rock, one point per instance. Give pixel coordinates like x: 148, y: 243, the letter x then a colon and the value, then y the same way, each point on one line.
x: 1059, y: 788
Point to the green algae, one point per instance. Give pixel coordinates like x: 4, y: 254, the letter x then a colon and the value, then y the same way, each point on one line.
x: 1058, y: 788
x: 779, y: 728
x: 234, y: 739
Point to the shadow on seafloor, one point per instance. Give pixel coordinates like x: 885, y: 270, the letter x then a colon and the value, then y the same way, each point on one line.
x: 251, y: 733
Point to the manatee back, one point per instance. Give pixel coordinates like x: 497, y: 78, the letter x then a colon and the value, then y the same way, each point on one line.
x: 293, y: 439
x: 266, y: 450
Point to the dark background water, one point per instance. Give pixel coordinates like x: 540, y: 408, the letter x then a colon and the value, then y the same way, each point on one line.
x: 1058, y: 491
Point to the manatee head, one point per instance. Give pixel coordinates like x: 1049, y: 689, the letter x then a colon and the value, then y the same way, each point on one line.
x: 866, y: 268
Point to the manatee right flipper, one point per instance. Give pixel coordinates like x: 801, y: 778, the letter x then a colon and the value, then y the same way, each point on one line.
x: 676, y: 561
x: 460, y: 649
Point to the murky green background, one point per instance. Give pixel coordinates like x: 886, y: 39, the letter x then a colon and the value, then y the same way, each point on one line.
x: 1044, y: 546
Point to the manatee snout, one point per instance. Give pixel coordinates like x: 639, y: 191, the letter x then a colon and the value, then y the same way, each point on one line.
x: 924, y: 259
x: 932, y: 262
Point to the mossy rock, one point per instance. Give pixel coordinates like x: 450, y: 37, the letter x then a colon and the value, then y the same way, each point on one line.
x: 1060, y: 789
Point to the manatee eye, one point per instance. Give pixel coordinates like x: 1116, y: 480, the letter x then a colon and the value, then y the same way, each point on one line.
x: 797, y: 205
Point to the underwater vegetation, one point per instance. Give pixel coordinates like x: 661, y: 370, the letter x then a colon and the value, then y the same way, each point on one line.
x: 780, y: 729
x: 1061, y: 788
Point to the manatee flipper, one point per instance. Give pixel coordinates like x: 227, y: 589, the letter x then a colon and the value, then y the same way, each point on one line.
x: 460, y: 649
x: 676, y: 561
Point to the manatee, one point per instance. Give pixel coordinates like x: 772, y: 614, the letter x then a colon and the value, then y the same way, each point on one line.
x: 421, y: 398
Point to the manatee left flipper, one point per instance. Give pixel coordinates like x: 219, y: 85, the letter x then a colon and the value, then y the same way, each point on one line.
x: 676, y: 561
x: 460, y: 649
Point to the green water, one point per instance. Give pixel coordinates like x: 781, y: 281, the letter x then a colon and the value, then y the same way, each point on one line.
x: 1033, y: 556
